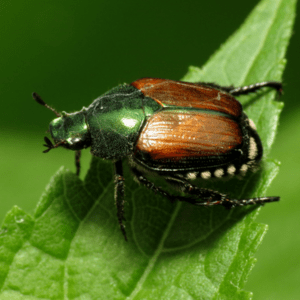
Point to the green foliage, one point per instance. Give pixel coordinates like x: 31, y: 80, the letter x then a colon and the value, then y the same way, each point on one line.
x: 72, y: 247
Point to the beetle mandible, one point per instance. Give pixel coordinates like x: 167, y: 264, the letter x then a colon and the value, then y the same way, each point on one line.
x: 177, y: 130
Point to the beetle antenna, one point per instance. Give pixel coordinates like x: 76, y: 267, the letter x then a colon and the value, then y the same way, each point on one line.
x: 39, y: 100
x: 50, y: 146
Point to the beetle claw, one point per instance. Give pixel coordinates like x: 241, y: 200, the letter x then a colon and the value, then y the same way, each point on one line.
x: 48, y: 144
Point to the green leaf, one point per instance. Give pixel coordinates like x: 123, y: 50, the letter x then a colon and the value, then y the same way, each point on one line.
x: 72, y: 247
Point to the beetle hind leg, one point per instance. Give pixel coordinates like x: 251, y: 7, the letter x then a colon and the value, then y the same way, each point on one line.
x: 199, y: 196
x: 247, y: 89
x: 210, y: 198
x: 244, y: 90
x: 119, y: 195
x: 229, y: 203
x: 151, y: 186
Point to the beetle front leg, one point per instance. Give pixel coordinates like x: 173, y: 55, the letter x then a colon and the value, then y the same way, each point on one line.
x: 119, y: 194
x: 77, y: 161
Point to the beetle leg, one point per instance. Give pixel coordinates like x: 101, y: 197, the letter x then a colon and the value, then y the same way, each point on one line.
x: 200, y: 196
x: 185, y: 187
x: 210, y: 197
x: 151, y: 186
x: 77, y: 161
x: 119, y: 194
x: 244, y: 90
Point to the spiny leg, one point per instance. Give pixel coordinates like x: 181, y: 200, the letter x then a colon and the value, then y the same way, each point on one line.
x: 77, y: 161
x: 203, y: 193
x: 244, y: 90
x: 119, y: 194
x: 151, y: 186
x: 207, y: 197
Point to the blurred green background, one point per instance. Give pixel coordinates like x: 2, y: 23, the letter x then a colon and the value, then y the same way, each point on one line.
x: 70, y: 52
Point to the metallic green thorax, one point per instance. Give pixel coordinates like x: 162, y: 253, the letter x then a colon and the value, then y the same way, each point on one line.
x: 115, y: 120
x: 110, y: 125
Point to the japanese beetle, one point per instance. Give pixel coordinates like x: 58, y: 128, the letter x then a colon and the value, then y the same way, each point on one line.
x: 177, y: 130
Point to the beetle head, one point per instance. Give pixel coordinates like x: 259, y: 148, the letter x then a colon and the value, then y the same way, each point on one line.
x: 70, y: 131
x: 67, y: 130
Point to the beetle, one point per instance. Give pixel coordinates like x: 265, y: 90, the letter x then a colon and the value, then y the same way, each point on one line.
x: 174, y: 129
